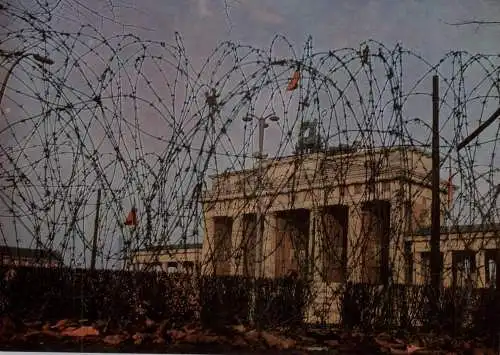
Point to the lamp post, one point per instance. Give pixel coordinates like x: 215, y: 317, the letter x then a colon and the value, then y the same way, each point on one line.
x: 20, y: 56
x: 258, y: 270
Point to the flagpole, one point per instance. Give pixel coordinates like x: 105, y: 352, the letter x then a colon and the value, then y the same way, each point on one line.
x: 121, y: 246
x: 132, y: 222
x: 124, y: 252
x: 134, y: 236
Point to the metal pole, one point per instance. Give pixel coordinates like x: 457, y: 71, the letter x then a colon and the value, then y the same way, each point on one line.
x: 260, y: 224
x: 96, y: 231
x: 260, y: 232
x: 259, y: 187
x: 478, y: 130
x: 435, y: 211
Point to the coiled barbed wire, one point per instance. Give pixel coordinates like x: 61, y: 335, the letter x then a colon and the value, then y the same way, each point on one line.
x: 135, y: 119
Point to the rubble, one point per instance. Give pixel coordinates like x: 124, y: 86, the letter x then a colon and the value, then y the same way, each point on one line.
x: 176, y: 335
x: 203, y: 338
x: 150, y: 324
x: 240, y: 328
x: 63, y: 323
x: 252, y: 336
x: 7, y: 327
x: 139, y: 338
x: 162, y: 328
x: 43, y: 332
x: 278, y: 342
x: 115, y: 339
x: 158, y: 340
x: 157, y: 336
x: 315, y: 348
x: 239, y: 342
x: 332, y: 343
x: 81, y: 332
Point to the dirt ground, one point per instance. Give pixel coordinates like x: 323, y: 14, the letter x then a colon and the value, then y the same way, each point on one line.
x: 162, y: 337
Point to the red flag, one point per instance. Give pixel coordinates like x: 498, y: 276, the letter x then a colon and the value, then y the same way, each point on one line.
x: 131, y: 218
x: 294, y: 81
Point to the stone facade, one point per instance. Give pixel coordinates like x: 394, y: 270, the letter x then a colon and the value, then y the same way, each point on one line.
x: 359, y: 216
x: 471, y: 255
x: 181, y: 258
x: 331, y: 218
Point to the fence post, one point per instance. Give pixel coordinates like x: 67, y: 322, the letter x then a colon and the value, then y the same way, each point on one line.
x: 96, y: 232
x: 436, y: 205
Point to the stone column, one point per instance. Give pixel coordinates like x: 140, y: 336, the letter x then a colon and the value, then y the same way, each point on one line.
x: 447, y: 268
x: 314, y: 247
x: 398, y: 231
x: 481, y: 269
x: 353, y: 244
x: 316, y: 244
x: 313, y: 262
x: 207, y: 251
x: 269, y: 245
x: 414, y: 264
x: 417, y: 267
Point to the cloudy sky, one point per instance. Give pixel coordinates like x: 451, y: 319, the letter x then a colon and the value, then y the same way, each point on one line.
x: 423, y: 26
x: 418, y: 24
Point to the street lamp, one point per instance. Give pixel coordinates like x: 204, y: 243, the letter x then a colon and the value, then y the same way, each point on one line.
x: 262, y: 123
x: 20, y: 56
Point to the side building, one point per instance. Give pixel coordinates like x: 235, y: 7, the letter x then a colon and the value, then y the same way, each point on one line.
x: 14, y: 256
x: 470, y: 256
x: 173, y: 258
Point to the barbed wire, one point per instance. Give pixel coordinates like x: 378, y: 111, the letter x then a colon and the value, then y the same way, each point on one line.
x: 133, y: 118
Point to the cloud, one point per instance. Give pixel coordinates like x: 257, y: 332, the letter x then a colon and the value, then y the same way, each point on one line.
x: 259, y: 12
x: 203, y: 10
x: 264, y: 15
